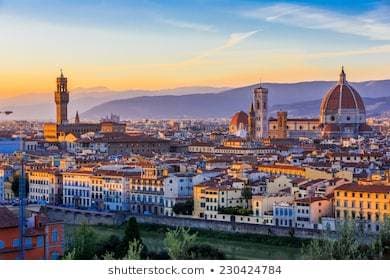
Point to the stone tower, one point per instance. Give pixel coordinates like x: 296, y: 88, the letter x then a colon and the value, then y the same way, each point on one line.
x: 251, y: 123
x: 282, y: 125
x: 260, y: 101
x: 61, y: 96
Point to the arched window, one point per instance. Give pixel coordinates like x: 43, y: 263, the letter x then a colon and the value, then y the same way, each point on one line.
x: 2, y: 245
x: 332, y: 118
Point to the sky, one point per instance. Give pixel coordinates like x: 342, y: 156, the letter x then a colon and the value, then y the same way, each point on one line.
x: 145, y: 44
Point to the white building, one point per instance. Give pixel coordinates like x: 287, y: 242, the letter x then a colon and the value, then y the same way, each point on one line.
x: 45, y: 186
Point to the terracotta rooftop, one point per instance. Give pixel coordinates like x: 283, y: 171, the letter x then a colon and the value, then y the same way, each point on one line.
x: 364, y: 188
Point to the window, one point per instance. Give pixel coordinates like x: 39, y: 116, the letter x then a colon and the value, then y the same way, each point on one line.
x: 40, y: 241
x: 15, y: 243
x: 54, y: 236
x: 28, y: 242
x: 2, y: 245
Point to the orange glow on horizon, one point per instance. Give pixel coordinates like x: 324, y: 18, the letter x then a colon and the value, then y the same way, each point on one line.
x: 13, y: 84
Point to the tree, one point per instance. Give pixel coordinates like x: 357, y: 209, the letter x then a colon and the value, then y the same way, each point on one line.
x: 84, y: 244
x: 131, y: 234
x: 15, y: 181
x: 178, y: 241
x: 318, y: 249
x: 108, y: 256
x: 135, y: 249
x: 184, y: 208
x: 70, y: 255
x: 246, y: 193
x: 346, y: 246
x: 111, y: 245
x: 381, y: 245
x: 205, y: 252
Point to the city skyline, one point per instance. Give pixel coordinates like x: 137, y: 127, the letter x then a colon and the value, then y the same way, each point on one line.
x: 148, y: 45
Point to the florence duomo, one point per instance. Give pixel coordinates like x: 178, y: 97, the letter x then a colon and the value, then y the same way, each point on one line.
x: 342, y: 114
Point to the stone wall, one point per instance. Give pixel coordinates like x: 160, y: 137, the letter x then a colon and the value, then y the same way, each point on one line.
x: 95, y: 218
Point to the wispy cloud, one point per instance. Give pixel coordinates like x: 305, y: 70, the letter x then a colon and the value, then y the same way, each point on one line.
x: 233, y: 40
x: 190, y: 25
x: 372, y: 25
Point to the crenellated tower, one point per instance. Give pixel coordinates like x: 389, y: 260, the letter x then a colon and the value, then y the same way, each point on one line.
x: 61, y: 96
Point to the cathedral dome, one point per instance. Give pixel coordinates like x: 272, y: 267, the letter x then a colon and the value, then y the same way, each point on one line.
x: 342, y: 111
x: 238, y: 122
x: 342, y: 97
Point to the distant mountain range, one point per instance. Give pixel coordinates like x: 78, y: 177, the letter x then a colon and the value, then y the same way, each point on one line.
x: 299, y: 99
x: 81, y: 99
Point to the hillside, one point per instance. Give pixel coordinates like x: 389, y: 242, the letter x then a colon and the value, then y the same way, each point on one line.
x: 300, y: 99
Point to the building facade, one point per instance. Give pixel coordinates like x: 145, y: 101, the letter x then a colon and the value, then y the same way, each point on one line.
x: 45, y: 186
x: 283, y: 127
x: 43, y: 239
x: 369, y: 204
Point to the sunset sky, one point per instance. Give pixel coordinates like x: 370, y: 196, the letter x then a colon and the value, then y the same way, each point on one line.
x: 144, y: 44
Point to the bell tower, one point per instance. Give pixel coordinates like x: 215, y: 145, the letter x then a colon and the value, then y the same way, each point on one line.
x: 61, y: 96
x: 260, y: 101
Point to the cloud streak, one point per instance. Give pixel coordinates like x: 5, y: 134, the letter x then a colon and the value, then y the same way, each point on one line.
x: 233, y: 40
x: 372, y: 25
x: 199, y: 27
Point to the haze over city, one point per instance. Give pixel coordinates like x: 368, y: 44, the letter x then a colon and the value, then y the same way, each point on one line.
x: 154, y: 45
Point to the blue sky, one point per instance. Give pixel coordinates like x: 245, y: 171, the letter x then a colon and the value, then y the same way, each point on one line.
x: 162, y: 44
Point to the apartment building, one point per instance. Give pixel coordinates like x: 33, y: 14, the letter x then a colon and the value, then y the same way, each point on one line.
x: 45, y: 186
x: 369, y: 204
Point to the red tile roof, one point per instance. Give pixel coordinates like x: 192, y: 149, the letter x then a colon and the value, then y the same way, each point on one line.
x: 364, y: 188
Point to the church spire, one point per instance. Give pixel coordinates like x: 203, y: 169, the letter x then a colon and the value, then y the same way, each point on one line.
x: 77, y: 118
